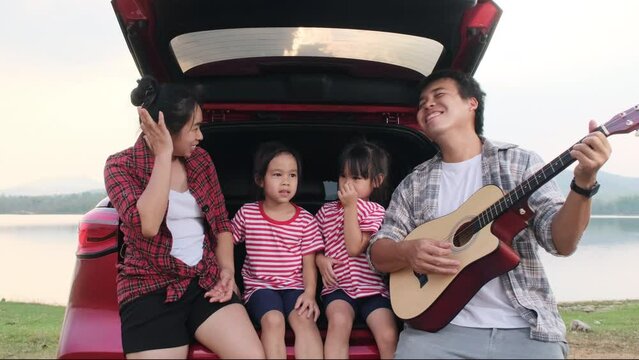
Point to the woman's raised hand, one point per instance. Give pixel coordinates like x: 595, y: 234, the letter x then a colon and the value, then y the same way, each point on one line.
x: 156, y: 136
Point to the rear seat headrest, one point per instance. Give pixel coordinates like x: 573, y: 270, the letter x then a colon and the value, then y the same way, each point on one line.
x: 309, y: 191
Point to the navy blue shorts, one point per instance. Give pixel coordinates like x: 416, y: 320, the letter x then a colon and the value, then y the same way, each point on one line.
x: 149, y: 323
x: 265, y: 300
x: 362, y: 306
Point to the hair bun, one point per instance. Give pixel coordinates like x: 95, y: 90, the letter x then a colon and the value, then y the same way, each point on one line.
x: 146, y: 91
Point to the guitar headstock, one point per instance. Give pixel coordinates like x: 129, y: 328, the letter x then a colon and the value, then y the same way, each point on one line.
x: 623, y: 122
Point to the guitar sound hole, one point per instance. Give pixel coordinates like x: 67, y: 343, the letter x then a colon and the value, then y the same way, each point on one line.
x: 463, y: 235
x: 423, y: 279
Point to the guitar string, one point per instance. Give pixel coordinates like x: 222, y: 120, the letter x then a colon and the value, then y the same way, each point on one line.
x: 470, y: 228
x: 560, y: 163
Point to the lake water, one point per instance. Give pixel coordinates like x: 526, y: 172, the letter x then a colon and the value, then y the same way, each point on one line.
x: 37, y: 259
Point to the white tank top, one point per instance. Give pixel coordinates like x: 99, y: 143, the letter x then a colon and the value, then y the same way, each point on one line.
x: 184, y: 220
x: 490, y: 307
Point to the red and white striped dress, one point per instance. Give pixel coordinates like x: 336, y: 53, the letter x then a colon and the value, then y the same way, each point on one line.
x: 274, y: 249
x: 354, y: 276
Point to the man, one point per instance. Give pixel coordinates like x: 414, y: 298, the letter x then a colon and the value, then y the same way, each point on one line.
x: 514, y: 315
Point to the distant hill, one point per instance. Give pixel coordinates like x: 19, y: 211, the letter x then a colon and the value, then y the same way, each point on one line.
x: 612, y: 188
x: 59, y: 186
x: 78, y: 203
x: 618, y: 195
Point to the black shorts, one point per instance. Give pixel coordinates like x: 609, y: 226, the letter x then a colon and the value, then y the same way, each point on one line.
x: 362, y: 306
x: 149, y: 323
x: 265, y: 300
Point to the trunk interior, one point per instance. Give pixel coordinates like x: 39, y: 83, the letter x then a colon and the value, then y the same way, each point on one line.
x: 319, y: 144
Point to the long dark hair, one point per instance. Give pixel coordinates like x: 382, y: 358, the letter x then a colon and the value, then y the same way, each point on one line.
x: 176, y: 103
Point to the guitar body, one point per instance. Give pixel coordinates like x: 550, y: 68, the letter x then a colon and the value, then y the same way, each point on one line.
x: 431, y: 305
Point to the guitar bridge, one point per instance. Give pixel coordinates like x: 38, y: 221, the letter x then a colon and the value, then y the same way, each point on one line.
x: 423, y: 279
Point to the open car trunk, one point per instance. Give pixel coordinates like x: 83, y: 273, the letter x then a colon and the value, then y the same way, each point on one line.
x: 287, y: 51
x: 319, y: 144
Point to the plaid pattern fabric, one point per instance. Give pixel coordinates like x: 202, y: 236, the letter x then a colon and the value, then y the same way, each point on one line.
x: 414, y: 202
x: 148, y: 265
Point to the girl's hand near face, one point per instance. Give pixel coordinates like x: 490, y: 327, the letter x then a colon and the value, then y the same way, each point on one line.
x: 156, y: 136
x: 347, y: 195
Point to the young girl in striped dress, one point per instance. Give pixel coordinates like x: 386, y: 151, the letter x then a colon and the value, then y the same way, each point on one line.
x: 350, y: 286
x: 279, y: 270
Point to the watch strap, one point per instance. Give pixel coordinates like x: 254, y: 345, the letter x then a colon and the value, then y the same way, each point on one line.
x: 588, y: 193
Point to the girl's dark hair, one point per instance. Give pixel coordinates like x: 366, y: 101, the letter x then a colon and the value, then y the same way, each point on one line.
x: 367, y: 160
x: 265, y: 153
x: 467, y: 86
x: 176, y: 103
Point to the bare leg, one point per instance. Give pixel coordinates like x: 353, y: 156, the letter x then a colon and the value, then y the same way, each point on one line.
x: 384, y: 329
x: 340, y: 317
x: 308, y: 341
x: 230, y: 334
x: 179, y: 352
x: 273, y: 328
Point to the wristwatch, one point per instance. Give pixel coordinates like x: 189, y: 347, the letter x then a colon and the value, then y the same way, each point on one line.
x: 588, y: 193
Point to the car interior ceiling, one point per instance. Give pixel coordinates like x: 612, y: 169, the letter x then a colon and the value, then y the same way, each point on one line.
x: 432, y: 19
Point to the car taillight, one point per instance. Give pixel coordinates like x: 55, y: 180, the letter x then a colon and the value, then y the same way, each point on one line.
x: 98, y: 232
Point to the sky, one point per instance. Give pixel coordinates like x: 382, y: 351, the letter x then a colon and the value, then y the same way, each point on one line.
x: 66, y: 74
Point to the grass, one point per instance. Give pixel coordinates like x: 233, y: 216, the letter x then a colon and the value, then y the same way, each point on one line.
x: 614, y: 329
x: 29, y: 331
x: 32, y: 330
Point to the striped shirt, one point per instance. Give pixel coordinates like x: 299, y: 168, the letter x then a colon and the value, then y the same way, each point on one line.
x: 354, y: 276
x: 414, y: 202
x: 274, y: 249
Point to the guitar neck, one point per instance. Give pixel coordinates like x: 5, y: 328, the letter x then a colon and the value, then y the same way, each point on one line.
x: 621, y: 123
x: 526, y: 188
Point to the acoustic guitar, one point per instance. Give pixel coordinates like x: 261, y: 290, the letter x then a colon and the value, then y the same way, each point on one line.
x: 481, y: 232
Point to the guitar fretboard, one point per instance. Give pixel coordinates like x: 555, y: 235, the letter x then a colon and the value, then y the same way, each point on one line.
x: 623, y: 122
x: 523, y: 190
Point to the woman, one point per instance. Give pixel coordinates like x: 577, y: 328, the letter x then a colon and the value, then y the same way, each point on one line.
x: 177, y: 279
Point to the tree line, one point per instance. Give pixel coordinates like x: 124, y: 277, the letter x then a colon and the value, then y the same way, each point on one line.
x: 628, y: 205
x: 78, y: 203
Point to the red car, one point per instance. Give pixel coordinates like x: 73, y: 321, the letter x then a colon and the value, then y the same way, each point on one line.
x: 311, y: 74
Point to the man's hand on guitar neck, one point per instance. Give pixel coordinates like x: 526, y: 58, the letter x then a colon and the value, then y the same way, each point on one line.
x: 591, y: 153
x: 572, y: 219
x: 424, y: 256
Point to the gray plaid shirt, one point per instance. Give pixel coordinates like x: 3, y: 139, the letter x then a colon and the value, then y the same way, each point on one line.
x: 414, y: 202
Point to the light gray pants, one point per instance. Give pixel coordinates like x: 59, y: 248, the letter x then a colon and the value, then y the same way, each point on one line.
x: 458, y: 342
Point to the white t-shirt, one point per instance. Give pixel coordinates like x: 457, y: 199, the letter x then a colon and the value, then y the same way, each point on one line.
x: 184, y: 220
x: 490, y: 307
